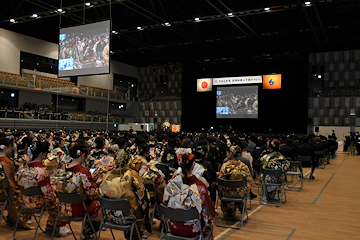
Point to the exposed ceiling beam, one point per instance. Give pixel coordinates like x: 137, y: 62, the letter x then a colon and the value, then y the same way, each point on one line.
x: 320, y: 22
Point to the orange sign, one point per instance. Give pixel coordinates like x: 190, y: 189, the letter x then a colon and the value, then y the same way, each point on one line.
x: 272, y: 81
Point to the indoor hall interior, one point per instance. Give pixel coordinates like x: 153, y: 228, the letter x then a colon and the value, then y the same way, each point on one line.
x: 326, y: 208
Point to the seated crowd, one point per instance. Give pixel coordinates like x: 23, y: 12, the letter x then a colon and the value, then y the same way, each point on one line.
x: 182, y: 167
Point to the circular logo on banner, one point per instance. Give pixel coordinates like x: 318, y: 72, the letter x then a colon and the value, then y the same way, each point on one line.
x: 204, y: 85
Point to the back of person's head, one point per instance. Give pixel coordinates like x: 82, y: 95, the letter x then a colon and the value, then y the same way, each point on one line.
x: 186, y: 161
x: 172, y: 143
x: 142, y: 148
x: 288, y: 142
x: 186, y: 143
x: 57, y: 141
x: 99, y: 143
x: 36, y: 148
x: 200, y: 151
x: 5, y: 142
x: 77, y: 150
x: 120, y: 142
x: 25, y: 143
x: 317, y: 139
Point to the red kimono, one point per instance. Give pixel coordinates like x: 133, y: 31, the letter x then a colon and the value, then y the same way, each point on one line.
x: 42, y: 177
x: 91, y: 192
x: 174, y: 196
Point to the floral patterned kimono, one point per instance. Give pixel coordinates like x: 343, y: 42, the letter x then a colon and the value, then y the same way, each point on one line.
x: 8, y: 173
x: 36, y: 174
x: 52, y: 162
x: 274, y: 160
x: 150, y: 173
x: 182, y: 196
x: 101, y: 167
x: 90, y: 193
x: 235, y: 170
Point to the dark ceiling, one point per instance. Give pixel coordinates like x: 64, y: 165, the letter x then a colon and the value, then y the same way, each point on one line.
x: 289, y: 28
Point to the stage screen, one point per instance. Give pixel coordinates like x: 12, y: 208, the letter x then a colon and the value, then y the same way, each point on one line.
x: 84, y: 50
x: 237, y: 102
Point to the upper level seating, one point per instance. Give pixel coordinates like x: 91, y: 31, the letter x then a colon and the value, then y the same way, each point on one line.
x: 48, y: 82
x: 13, y: 79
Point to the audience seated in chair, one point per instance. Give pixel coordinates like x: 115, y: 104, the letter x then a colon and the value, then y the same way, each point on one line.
x: 185, y: 191
x: 87, y: 187
x: 36, y: 174
x: 234, y: 169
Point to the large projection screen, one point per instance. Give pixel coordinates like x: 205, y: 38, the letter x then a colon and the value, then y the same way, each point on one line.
x: 84, y: 50
x: 237, y: 102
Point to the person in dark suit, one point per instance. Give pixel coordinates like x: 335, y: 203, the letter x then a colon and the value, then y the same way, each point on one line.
x: 304, y: 149
x: 318, y: 146
x: 255, y: 153
x: 287, y: 150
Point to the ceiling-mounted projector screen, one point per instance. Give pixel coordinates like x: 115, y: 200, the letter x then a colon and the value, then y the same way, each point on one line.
x: 84, y: 50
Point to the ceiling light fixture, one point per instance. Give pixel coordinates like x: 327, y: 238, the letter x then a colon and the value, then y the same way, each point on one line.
x: 230, y: 14
x: 114, y: 32
x: 307, y: 3
x: 60, y: 10
x: 167, y: 24
x: 34, y: 15
x: 267, y: 9
x: 197, y: 19
x: 12, y: 20
x: 140, y: 28
x: 88, y: 4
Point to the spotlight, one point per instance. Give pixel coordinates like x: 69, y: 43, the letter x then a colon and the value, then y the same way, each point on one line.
x: 167, y: 24
x: 230, y: 14
x: 12, y: 20
x: 197, y: 19
x: 319, y: 76
x: 12, y: 94
x: 88, y: 4
x: 114, y: 32
x: 34, y: 15
x: 140, y: 28
x: 307, y: 3
x: 60, y: 10
x: 267, y: 9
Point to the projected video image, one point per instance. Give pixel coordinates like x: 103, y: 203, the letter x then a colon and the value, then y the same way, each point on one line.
x: 84, y: 50
x: 237, y: 102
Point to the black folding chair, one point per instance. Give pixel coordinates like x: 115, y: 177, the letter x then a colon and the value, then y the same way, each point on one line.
x: 320, y: 156
x: 295, y: 173
x: 7, y: 201
x: 306, y: 161
x: 276, y: 174
x: 123, y: 205
x: 149, y: 186
x: 232, y: 184
x: 179, y: 215
x: 29, y: 192
x: 72, y: 198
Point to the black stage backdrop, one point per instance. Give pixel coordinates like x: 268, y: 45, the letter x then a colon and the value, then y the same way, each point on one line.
x: 280, y: 111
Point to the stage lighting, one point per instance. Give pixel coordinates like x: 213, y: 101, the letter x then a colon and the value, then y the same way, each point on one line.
x: 12, y: 20
x: 140, y: 28
x: 197, y: 19
x: 12, y: 94
x: 267, y: 9
x: 167, y: 24
x: 88, y: 4
x: 230, y: 14
x: 307, y: 3
x: 34, y: 15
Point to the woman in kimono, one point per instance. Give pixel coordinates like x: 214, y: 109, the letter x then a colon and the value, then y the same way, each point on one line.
x: 185, y: 191
x: 127, y: 183
x: 56, y: 155
x: 77, y: 156
x: 104, y: 165
x: 234, y: 169
x: 97, y: 153
x: 8, y: 179
x: 36, y: 174
x: 275, y: 161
